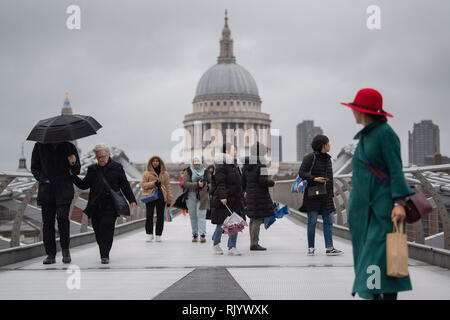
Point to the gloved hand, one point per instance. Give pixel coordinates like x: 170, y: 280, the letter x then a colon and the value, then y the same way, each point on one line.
x: 158, y: 184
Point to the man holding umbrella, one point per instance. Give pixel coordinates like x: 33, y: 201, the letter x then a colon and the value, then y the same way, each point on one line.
x: 52, y: 158
x: 50, y: 164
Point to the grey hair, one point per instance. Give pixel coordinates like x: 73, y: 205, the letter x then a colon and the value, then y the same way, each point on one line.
x: 102, y: 147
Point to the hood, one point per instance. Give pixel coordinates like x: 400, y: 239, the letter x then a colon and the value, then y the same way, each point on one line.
x: 161, y: 163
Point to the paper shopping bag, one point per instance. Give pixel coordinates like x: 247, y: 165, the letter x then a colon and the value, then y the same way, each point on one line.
x: 397, y: 252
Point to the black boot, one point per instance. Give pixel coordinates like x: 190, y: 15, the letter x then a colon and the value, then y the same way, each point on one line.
x: 66, y: 256
x: 257, y: 248
x: 50, y: 259
x: 105, y: 260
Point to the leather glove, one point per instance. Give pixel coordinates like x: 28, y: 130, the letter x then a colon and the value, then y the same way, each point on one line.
x: 158, y: 184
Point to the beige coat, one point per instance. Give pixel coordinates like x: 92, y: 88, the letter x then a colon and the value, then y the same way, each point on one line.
x: 150, y: 177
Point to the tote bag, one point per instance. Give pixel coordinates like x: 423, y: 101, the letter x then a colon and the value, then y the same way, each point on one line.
x: 397, y: 252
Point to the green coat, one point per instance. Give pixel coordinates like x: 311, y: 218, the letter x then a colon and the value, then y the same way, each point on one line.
x: 370, y: 206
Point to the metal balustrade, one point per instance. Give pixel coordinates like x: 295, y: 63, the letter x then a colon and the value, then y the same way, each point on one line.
x: 18, y: 204
x: 434, y: 181
x: 18, y: 192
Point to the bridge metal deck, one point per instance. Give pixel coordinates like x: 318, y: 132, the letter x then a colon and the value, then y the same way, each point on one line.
x: 141, y: 270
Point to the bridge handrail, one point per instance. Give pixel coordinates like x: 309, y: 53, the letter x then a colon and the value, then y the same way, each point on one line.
x: 436, y: 222
x: 25, y: 192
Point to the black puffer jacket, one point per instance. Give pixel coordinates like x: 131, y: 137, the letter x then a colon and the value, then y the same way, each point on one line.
x: 256, y: 185
x: 322, y: 168
x: 99, y: 193
x: 227, y: 185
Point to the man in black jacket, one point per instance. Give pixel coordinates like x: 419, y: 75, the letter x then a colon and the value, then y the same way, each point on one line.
x: 100, y: 207
x: 50, y: 164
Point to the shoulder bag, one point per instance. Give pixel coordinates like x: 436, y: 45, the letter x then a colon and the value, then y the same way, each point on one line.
x: 119, y: 201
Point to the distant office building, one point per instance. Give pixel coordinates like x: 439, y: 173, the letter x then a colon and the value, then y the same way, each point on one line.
x: 423, y: 141
x: 436, y: 159
x: 277, y: 150
x: 305, y: 134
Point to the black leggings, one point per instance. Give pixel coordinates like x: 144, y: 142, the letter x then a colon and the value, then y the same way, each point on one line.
x: 385, y: 296
x: 104, y: 222
x: 160, y: 205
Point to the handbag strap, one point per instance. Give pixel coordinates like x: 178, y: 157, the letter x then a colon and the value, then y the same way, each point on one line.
x: 313, y: 163
x: 108, y: 186
x: 380, y: 175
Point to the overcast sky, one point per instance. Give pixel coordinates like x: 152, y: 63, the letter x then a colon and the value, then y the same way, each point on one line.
x: 135, y: 65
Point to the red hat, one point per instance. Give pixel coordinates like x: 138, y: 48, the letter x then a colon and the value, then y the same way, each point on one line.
x: 368, y: 101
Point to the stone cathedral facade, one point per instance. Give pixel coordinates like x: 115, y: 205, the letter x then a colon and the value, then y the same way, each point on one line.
x: 226, y: 108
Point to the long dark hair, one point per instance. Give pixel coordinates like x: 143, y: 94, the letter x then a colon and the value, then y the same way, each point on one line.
x: 376, y: 117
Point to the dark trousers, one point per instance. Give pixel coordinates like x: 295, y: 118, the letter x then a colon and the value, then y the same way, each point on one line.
x: 103, y: 223
x: 255, y: 225
x: 50, y: 212
x: 160, y: 205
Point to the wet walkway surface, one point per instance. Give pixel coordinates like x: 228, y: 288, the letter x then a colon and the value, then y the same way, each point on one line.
x: 177, y: 268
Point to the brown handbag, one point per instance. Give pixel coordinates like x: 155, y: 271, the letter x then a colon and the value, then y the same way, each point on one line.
x: 417, y: 206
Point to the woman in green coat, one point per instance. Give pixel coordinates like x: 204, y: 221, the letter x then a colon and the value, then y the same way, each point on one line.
x: 375, y: 203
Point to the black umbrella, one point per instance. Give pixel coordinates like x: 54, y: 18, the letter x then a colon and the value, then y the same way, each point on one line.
x: 68, y: 127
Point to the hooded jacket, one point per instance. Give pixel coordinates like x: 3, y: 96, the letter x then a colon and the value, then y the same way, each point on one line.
x: 256, y: 185
x: 227, y: 185
x: 150, y: 177
x: 202, y: 193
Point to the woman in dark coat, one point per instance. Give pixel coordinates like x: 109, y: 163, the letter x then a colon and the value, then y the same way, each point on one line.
x: 256, y: 184
x: 374, y: 204
x: 100, y: 207
x: 317, y: 169
x: 228, y: 192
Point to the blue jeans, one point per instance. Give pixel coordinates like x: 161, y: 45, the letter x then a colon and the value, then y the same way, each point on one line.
x: 198, y: 217
x: 327, y: 227
x: 217, y: 236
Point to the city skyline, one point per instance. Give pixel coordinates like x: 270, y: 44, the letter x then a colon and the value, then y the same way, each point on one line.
x: 131, y: 63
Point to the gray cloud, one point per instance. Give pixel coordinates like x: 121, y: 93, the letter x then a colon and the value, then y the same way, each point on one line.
x: 135, y: 65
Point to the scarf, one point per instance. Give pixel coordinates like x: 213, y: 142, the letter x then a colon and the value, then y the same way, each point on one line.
x: 197, y: 173
x: 157, y: 169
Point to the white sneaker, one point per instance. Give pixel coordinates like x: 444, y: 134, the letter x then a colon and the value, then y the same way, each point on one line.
x: 148, y: 238
x: 311, y: 251
x: 218, y: 249
x: 234, y: 252
x: 158, y: 239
